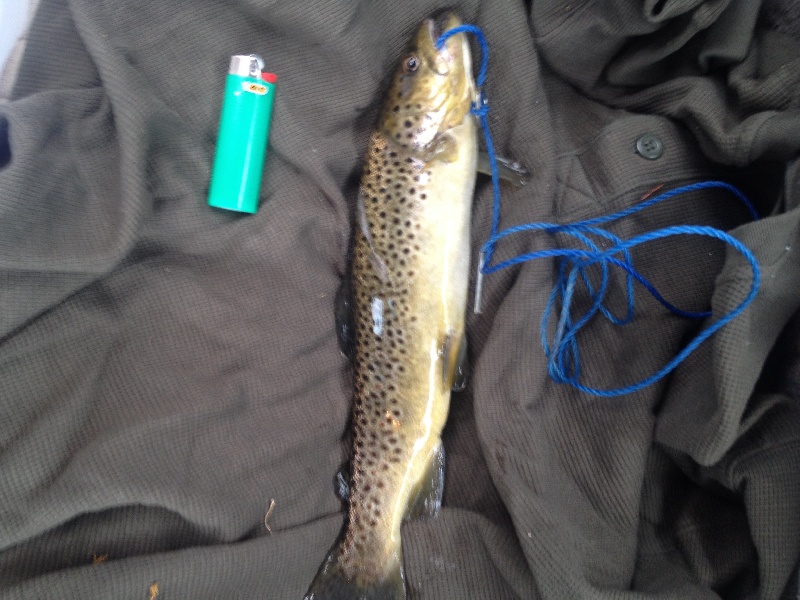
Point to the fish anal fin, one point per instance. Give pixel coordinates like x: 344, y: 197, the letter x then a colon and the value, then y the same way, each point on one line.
x: 427, y: 499
x: 331, y: 583
x: 508, y: 170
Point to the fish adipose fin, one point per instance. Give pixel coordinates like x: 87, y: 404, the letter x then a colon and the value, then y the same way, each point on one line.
x: 428, y: 497
x: 332, y: 584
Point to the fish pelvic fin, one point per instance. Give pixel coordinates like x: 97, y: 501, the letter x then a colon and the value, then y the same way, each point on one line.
x: 427, y: 499
x: 454, y: 361
x: 331, y: 583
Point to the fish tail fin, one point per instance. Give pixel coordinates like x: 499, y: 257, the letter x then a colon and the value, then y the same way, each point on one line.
x: 331, y: 583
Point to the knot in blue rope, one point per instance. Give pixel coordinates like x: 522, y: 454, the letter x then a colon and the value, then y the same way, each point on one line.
x: 481, y: 107
x: 581, y: 267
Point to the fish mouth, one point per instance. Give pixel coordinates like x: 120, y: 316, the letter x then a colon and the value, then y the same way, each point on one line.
x: 454, y: 55
x: 440, y: 23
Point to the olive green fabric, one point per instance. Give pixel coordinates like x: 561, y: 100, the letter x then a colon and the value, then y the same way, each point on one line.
x: 167, y: 369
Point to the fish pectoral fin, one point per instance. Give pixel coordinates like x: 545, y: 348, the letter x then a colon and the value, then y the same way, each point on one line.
x: 454, y: 361
x: 508, y: 170
x: 331, y: 583
x: 427, y: 499
x: 444, y: 148
x: 345, y: 327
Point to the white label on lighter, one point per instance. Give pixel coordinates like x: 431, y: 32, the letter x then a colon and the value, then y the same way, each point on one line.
x: 254, y: 88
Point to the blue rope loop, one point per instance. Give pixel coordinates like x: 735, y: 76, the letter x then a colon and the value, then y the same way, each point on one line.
x: 476, y: 31
x: 576, y: 265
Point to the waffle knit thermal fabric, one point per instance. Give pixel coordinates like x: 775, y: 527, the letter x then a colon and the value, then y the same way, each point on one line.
x: 167, y: 369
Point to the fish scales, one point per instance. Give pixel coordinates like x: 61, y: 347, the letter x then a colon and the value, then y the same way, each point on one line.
x: 397, y: 402
x: 409, y: 293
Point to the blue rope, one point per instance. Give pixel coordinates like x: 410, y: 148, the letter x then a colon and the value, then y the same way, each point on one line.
x: 562, y: 353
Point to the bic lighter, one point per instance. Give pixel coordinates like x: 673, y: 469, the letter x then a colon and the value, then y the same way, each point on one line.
x: 243, y: 132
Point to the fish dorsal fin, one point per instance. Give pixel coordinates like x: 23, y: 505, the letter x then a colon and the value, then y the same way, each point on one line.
x: 341, y: 483
x: 374, y: 258
x: 426, y: 500
x: 345, y: 327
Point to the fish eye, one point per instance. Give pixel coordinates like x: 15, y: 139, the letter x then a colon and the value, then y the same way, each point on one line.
x: 411, y: 64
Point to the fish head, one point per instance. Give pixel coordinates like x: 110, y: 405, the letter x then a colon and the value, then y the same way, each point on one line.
x: 432, y: 89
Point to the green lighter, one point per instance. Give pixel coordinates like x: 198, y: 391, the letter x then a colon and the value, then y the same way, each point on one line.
x: 243, y: 132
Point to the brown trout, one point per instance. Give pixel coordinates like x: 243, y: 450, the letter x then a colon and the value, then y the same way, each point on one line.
x: 409, y: 295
